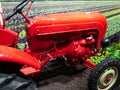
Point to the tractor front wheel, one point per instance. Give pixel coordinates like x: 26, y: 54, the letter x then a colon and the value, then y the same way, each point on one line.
x: 105, y: 76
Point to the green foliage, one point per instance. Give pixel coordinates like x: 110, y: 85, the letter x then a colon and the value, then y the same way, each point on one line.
x: 113, y: 25
x: 97, y: 59
x: 111, y: 12
x: 21, y: 46
x: 22, y: 34
x: 55, y: 0
x: 113, y: 51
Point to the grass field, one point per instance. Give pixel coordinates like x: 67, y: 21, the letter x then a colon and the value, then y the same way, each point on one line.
x: 111, y: 9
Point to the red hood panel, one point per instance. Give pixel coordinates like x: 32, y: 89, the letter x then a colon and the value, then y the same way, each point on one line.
x: 63, y: 22
x: 48, y: 27
x: 76, y: 17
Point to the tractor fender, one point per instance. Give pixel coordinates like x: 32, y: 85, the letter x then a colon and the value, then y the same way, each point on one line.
x: 9, y: 54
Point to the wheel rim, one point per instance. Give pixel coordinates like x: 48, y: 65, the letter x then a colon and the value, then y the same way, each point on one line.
x: 108, y: 78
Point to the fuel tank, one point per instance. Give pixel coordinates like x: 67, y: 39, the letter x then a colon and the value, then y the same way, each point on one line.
x: 65, y: 26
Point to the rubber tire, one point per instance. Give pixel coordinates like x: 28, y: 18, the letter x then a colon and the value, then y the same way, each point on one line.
x: 96, y: 72
x: 14, y: 82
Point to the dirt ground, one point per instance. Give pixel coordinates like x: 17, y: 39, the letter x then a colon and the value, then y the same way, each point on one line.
x: 63, y: 78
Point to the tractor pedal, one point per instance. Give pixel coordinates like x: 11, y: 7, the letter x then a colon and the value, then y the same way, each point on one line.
x: 29, y: 71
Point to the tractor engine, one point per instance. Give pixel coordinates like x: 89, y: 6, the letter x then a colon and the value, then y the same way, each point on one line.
x: 80, y: 50
x: 73, y: 36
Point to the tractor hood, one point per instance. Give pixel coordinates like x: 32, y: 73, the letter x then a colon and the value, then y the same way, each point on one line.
x: 52, y: 27
x: 77, y: 17
x: 67, y: 22
x: 76, y: 22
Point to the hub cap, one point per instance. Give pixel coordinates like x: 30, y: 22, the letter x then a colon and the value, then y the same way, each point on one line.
x: 107, y: 78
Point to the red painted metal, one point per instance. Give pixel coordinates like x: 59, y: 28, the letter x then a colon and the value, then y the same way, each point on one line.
x: 24, y: 16
x: 8, y: 37
x: 59, y: 27
x: 66, y: 35
x: 89, y: 64
x: 72, y: 36
x: 29, y: 71
x: 29, y: 8
x: 9, y: 54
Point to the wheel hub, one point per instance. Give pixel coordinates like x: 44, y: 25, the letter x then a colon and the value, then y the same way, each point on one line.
x: 108, y: 78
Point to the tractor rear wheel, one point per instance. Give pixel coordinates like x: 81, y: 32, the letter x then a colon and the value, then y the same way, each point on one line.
x: 14, y: 82
x: 12, y: 79
x: 105, y: 76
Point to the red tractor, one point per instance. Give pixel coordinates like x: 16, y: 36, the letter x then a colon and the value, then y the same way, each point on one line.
x: 70, y: 37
